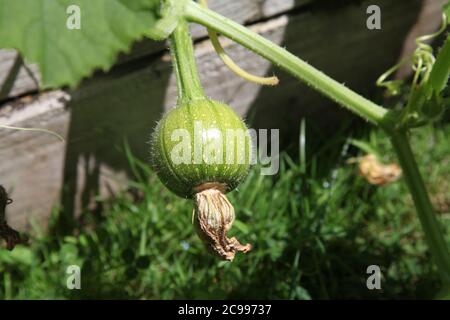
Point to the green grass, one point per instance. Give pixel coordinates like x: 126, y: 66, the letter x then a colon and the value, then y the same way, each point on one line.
x: 315, y: 228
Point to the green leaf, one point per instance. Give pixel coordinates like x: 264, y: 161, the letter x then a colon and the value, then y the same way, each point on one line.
x: 427, y: 99
x: 441, y: 69
x: 19, y: 256
x: 38, y: 30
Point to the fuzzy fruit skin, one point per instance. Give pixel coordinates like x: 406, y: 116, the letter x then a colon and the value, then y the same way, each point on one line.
x: 182, y: 178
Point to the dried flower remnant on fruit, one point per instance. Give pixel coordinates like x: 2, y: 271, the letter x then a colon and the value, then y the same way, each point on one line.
x: 213, y: 217
x: 211, y: 156
x: 11, y: 236
x: 204, y: 182
x: 377, y: 173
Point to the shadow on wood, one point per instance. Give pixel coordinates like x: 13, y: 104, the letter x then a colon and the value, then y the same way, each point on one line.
x: 122, y: 109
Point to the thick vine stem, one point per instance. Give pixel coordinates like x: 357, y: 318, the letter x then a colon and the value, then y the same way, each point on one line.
x: 433, y: 231
x: 213, y: 217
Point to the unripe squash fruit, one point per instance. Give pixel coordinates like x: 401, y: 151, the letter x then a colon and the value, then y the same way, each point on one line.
x: 201, y: 150
x: 215, y: 120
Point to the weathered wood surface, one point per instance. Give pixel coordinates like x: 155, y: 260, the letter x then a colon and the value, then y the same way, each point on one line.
x: 125, y: 103
x: 17, y: 79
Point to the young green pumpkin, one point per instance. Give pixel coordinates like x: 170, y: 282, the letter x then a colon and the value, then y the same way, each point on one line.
x: 201, y: 150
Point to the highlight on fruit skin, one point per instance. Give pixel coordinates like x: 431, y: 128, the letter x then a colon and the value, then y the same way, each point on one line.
x: 201, y: 150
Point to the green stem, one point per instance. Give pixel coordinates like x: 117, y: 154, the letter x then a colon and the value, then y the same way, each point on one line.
x: 425, y: 211
x: 287, y: 61
x: 182, y: 51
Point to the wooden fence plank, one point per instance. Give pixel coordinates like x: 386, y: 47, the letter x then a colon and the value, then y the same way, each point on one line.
x: 17, y: 79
